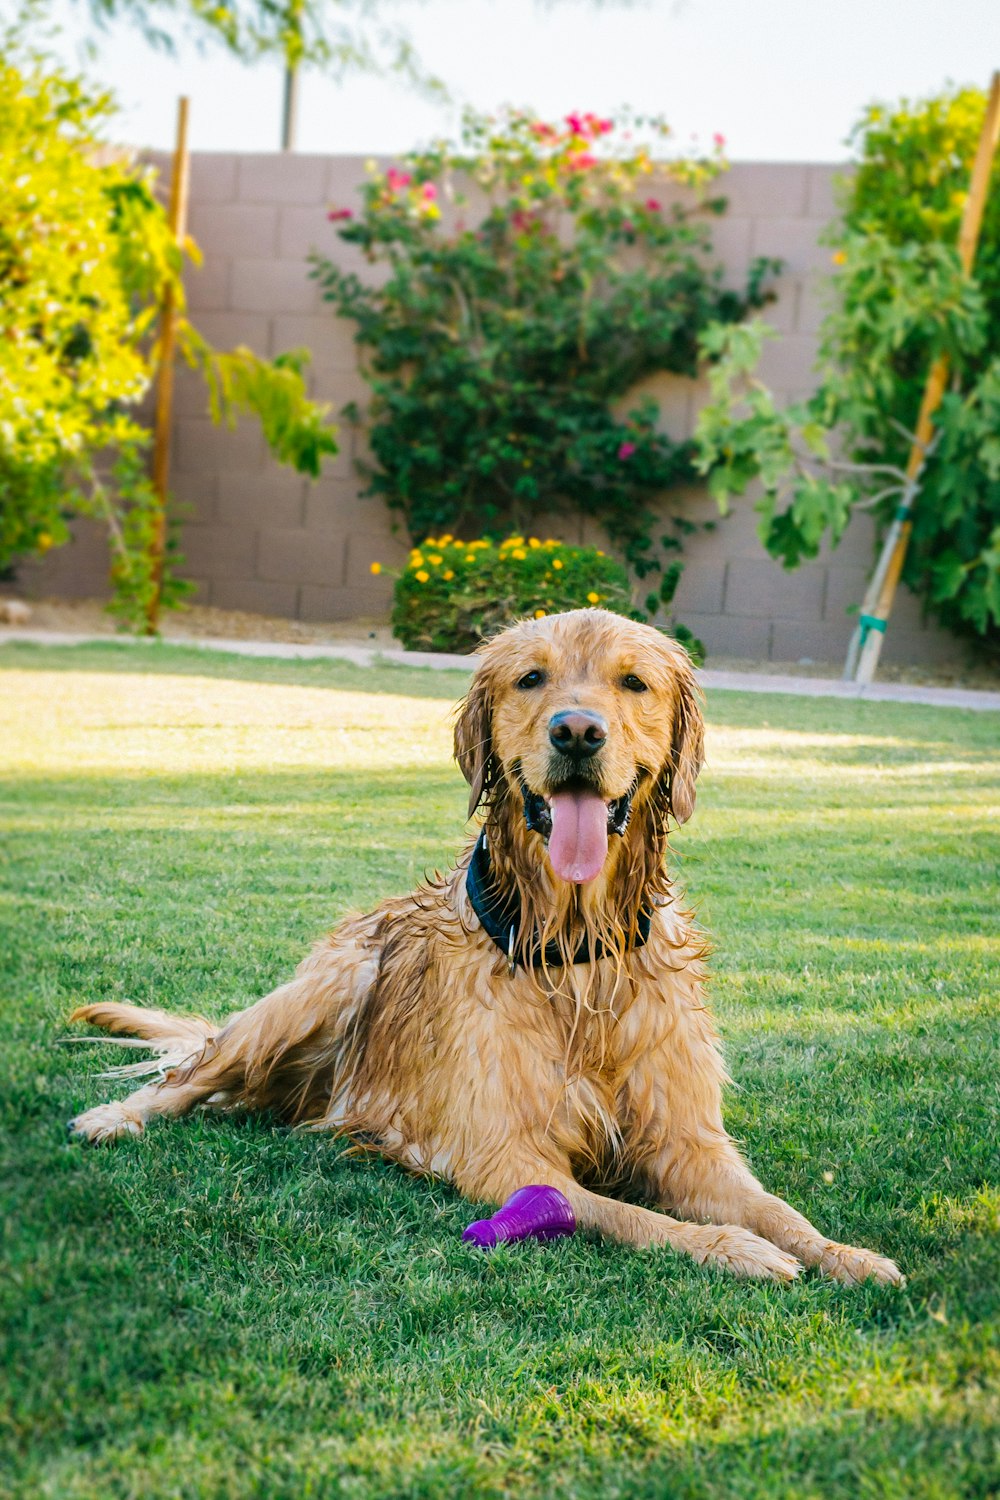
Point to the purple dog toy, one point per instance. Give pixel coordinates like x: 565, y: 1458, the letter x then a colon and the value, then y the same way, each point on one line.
x: 540, y: 1213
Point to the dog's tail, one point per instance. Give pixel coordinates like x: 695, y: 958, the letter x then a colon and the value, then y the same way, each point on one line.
x: 173, y: 1038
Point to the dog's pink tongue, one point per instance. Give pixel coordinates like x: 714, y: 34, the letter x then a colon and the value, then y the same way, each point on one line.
x: 578, y: 844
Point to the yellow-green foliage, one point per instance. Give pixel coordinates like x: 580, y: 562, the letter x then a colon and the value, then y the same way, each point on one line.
x: 86, y: 258
x: 452, y: 593
x: 83, y: 248
x: 913, y: 178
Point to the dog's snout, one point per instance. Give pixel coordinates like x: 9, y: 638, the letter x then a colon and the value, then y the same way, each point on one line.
x: 577, y: 732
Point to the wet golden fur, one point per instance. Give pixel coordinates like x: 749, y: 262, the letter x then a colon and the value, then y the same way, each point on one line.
x: 406, y: 1027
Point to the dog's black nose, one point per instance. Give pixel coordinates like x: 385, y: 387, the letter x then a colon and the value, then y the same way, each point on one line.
x: 577, y: 732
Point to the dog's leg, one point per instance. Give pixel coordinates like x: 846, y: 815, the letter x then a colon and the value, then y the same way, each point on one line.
x: 728, y: 1245
x: 690, y: 1165
x: 699, y: 1172
x: 112, y: 1122
x: 261, y: 1058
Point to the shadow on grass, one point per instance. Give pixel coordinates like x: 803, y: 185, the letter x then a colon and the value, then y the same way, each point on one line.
x: 162, y: 658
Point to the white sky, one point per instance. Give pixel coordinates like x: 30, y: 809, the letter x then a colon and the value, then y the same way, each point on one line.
x: 782, y: 80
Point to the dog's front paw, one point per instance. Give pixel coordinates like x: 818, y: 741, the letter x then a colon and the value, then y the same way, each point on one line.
x: 848, y: 1264
x: 106, y: 1123
x: 746, y: 1254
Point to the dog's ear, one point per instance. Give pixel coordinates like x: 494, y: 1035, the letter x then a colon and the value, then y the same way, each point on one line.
x: 474, y: 739
x: 687, y: 751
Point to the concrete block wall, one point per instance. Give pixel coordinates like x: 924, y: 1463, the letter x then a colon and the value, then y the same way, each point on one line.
x: 259, y: 538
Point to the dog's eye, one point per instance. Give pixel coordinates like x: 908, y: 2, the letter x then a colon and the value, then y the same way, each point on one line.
x: 532, y: 679
x: 633, y: 683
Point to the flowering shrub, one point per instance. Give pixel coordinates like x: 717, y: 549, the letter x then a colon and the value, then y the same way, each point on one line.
x: 452, y: 593
x: 533, y: 279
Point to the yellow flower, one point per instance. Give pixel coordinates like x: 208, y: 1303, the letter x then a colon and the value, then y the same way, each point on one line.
x: 423, y: 577
x: 593, y: 598
x: 434, y: 558
x: 416, y: 559
x: 557, y: 562
x: 470, y: 557
x: 43, y: 541
x: 430, y: 542
x: 839, y: 257
x: 448, y: 575
x: 533, y: 542
x: 519, y: 553
x: 376, y: 568
x: 444, y: 540
x: 539, y: 614
x: 513, y: 541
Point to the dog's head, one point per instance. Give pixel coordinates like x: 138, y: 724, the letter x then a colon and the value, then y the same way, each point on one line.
x: 585, y: 722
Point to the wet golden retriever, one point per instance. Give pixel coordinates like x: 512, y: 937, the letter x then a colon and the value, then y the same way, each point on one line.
x: 537, y: 1015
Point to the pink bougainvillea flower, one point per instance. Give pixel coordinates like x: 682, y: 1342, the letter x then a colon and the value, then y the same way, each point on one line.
x: 397, y: 180
x: 429, y: 191
x: 575, y: 123
x: 718, y: 140
x: 628, y: 227
x: 626, y: 450
x: 340, y: 213
x: 654, y: 205
x: 596, y: 126
x: 581, y: 161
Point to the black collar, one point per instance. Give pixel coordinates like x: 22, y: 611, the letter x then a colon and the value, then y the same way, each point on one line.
x: 501, y: 918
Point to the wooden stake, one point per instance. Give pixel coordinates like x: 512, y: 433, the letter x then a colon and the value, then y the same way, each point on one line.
x: 177, y: 219
x: 290, y: 108
x: 866, y: 644
x: 292, y: 20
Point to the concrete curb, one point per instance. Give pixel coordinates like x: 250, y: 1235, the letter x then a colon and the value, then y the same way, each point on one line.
x: 366, y: 656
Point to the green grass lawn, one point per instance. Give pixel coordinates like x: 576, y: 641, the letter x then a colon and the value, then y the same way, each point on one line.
x: 226, y: 1308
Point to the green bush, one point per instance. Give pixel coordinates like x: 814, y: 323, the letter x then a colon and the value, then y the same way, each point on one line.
x: 899, y: 299
x: 86, y: 258
x: 533, y: 280
x: 452, y: 593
